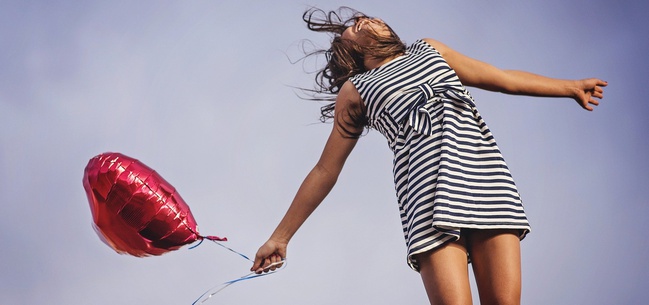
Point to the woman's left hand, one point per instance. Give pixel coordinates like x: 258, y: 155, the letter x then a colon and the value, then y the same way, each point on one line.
x: 587, y: 90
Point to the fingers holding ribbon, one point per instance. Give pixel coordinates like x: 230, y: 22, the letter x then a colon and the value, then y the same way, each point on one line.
x: 269, y: 257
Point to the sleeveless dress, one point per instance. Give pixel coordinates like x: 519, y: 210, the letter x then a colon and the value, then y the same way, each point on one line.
x: 449, y: 174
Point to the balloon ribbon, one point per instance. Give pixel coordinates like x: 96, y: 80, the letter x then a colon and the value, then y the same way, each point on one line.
x: 218, y: 288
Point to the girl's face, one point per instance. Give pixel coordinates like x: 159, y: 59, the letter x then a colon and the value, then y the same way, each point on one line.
x: 358, y: 32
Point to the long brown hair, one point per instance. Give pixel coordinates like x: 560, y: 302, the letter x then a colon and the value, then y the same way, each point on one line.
x: 345, y: 58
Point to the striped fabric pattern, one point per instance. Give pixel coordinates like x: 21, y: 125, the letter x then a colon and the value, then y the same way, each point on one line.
x: 448, y: 171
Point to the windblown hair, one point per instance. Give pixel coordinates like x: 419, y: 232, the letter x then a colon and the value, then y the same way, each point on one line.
x: 345, y: 58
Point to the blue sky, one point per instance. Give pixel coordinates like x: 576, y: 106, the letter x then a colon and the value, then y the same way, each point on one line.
x: 201, y: 91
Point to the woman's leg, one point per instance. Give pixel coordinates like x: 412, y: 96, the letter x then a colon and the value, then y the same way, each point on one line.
x: 496, y: 259
x: 445, y: 274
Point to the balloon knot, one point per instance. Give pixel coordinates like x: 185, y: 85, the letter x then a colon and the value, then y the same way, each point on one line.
x: 211, y: 237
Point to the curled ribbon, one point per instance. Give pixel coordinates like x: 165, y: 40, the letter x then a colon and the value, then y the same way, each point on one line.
x: 218, y: 288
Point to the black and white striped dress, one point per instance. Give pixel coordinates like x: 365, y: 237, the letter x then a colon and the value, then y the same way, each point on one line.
x: 448, y: 171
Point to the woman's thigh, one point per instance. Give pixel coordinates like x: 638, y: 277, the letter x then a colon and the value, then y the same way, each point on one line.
x: 495, y: 256
x: 444, y: 272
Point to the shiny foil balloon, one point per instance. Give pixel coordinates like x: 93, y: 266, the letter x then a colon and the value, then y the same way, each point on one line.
x: 134, y: 209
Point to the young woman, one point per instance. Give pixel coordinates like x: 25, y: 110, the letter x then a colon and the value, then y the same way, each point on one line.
x: 457, y: 199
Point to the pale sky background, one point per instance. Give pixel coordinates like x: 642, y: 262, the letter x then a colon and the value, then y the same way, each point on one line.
x: 201, y: 91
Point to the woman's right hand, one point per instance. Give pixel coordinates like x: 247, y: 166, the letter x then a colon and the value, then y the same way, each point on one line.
x: 269, y: 256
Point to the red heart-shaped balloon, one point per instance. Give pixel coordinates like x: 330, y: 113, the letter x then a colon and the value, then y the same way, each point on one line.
x: 134, y: 209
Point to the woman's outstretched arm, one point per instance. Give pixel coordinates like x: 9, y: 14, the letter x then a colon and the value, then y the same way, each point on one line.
x: 479, y: 74
x: 316, y: 185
